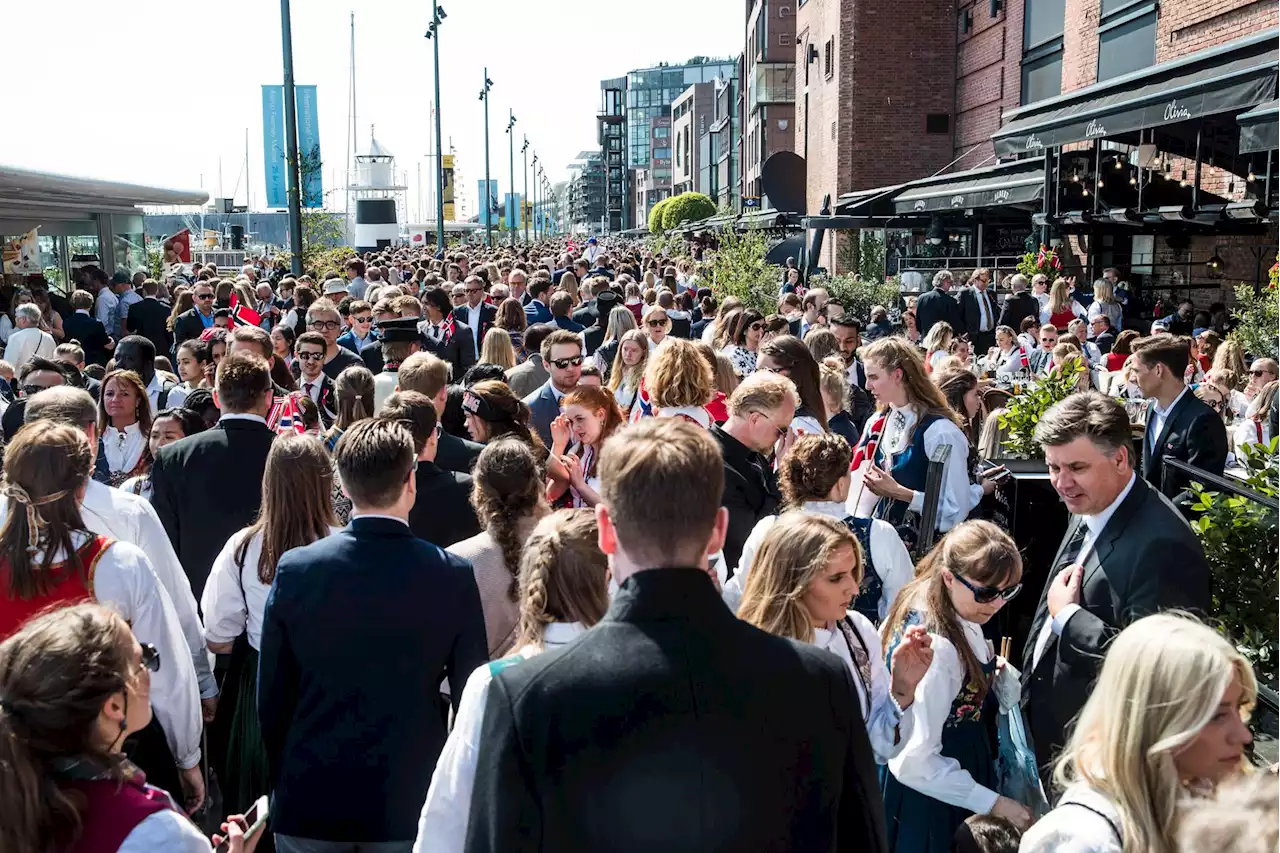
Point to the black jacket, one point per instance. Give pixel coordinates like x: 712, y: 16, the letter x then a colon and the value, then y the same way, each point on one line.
x: 458, y: 350
x: 442, y: 513
x: 187, y: 327
x: 648, y: 733
x: 935, y: 306
x: 1018, y: 307
x: 876, y: 331
x: 92, y: 335
x: 150, y: 319
x: 1146, y: 559
x: 750, y: 492
x: 457, y: 454
x: 592, y: 336
x: 1105, y: 342
x: 1193, y: 433
x: 206, y: 487
x: 973, y: 313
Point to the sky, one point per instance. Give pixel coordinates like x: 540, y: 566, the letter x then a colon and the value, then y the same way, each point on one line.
x: 161, y: 94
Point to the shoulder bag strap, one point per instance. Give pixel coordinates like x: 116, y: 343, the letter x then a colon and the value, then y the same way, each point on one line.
x: 861, y: 664
x: 1115, y: 830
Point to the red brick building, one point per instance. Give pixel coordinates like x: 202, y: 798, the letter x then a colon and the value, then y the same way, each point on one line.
x: 768, y: 87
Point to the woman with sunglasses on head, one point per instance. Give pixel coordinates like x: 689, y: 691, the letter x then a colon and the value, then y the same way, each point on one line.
x: 296, y: 511
x: 49, y: 559
x: 741, y: 334
x: 74, y: 684
x: 787, y: 355
x: 1166, y: 723
x: 124, y: 422
x: 946, y: 771
x: 563, y: 591
x: 590, y: 416
x: 628, y: 366
x: 806, y: 575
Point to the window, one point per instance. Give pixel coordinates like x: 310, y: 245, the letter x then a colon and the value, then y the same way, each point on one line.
x: 662, y: 132
x: 1126, y: 38
x: 1042, y: 49
x: 1042, y: 22
x: 937, y: 123
x: 662, y: 153
x: 828, y: 58
x: 1042, y: 78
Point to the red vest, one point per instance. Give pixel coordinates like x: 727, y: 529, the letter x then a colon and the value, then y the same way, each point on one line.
x: 68, y: 587
x: 111, y: 810
x: 1062, y: 319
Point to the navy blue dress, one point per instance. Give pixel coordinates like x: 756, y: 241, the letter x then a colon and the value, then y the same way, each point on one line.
x: 869, y: 593
x: 915, y: 822
x: 911, y: 470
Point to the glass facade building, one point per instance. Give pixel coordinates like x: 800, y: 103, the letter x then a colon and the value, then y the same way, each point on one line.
x: 650, y: 92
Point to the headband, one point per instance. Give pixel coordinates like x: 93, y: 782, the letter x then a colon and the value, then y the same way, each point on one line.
x: 480, y: 407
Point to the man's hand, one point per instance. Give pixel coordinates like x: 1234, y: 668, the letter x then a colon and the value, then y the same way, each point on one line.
x: 209, y: 708
x: 192, y: 788
x: 1065, y: 589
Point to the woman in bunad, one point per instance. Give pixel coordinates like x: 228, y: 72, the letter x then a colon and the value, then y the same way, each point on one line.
x: 1165, y: 724
x: 960, y: 387
x: 806, y: 575
x: 297, y: 510
x: 946, y: 772
x: 564, y: 580
x: 913, y: 421
x: 813, y: 477
x: 124, y: 422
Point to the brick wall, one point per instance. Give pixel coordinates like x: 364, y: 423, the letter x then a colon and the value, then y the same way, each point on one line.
x: 1190, y: 26
x: 1080, y: 44
x: 817, y: 23
x: 988, y: 77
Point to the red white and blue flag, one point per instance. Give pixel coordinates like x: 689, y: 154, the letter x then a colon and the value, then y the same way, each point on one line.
x: 286, y: 416
x: 243, y: 315
x: 866, y: 451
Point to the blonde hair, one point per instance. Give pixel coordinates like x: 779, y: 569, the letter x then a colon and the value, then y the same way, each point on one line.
x: 1241, y: 817
x: 619, y: 372
x: 795, y: 551
x: 1104, y: 292
x: 895, y: 353
x: 1230, y: 356
x: 992, y: 437
x: 939, y: 338
x: 1059, y: 296
x: 678, y: 375
x: 834, y: 382
x: 1161, y: 683
x: 563, y: 575
x: 497, y: 349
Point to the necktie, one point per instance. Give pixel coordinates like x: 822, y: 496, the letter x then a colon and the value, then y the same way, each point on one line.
x: 309, y: 386
x: 985, y: 308
x: 1071, y: 552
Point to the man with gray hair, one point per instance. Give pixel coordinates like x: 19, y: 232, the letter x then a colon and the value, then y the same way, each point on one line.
x: 1127, y: 553
x: 938, y: 305
x: 29, y: 340
x: 1020, y: 304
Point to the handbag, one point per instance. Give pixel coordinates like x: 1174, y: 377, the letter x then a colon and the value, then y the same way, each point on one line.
x: 1016, y: 774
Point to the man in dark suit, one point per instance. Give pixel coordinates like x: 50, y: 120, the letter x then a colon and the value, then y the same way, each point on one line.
x: 602, y: 306
x: 561, y: 306
x: 1104, y: 337
x: 308, y: 355
x: 759, y: 410
x: 477, y: 315
x: 1179, y: 424
x: 1018, y: 305
x: 679, y: 685
x: 351, y: 719
x: 848, y: 332
x: 443, y: 335
x: 82, y: 326
x: 149, y: 317
x: 1127, y: 553
x: 536, y: 311
x: 207, y: 486
x: 190, y: 324
x: 531, y: 374
x: 879, y: 327
x: 980, y: 311
x: 562, y: 354
x: 938, y: 305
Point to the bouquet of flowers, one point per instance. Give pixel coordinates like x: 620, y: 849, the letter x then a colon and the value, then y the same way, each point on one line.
x: 1045, y: 261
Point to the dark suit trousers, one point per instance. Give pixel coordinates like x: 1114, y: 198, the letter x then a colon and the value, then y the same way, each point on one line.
x: 982, y: 342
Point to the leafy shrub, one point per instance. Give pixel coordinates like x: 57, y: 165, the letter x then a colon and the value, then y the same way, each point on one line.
x: 686, y: 207
x: 1045, y: 261
x: 655, y: 216
x: 1259, y: 317
x: 738, y: 269
x: 1029, y: 404
x: 858, y: 294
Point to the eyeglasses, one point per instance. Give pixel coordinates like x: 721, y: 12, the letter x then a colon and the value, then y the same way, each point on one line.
x: 657, y: 324
x: 566, y: 363
x: 203, y: 296
x: 311, y: 356
x: 362, y: 320
x: 1259, y: 373
x: 755, y: 327
x: 781, y: 430
x: 323, y: 325
x: 988, y: 594
x: 150, y: 658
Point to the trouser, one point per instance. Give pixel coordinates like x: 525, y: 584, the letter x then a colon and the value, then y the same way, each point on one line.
x: 293, y: 844
x: 983, y: 342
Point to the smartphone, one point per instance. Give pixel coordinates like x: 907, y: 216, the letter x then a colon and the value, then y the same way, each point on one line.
x: 255, y: 819
x: 987, y: 465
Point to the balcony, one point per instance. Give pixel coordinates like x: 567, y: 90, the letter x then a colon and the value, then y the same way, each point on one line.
x: 771, y: 83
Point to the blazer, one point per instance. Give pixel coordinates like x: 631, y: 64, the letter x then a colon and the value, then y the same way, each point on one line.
x: 592, y: 338
x: 535, y: 311
x: 544, y: 407
x: 588, y: 314
x: 92, y: 335
x: 876, y: 331
x: 634, y: 738
x: 567, y: 324
x: 328, y: 401
x: 935, y: 306
x: 1145, y: 559
x: 350, y: 670
x: 1193, y: 433
x: 1018, y: 307
x: 972, y: 311
x: 750, y: 492
x: 457, y: 349
x: 442, y: 513
x: 488, y: 316
x: 187, y: 327
x: 206, y: 487
x: 527, y: 376
x: 1105, y: 342
x: 150, y: 318
x: 457, y: 454
x: 370, y: 355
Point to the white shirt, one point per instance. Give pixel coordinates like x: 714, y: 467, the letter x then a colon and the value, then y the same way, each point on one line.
x: 921, y: 765
x: 1075, y: 307
x: 168, y: 830
x: 176, y: 397
x: 1155, y: 423
x: 1009, y: 362
x: 1077, y: 825
x: 311, y: 387
x: 384, y: 385
x: 242, y: 416
x: 234, y: 598
x: 104, y: 309
x: 892, y: 561
x: 473, y: 321
x: 986, y: 309
x: 1096, y: 524
x: 26, y: 343
x: 885, y: 724
x: 123, y: 448
x: 442, y: 827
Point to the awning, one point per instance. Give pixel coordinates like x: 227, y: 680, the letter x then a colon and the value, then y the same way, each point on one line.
x: 1019, y: 182
x: 27, y: 186
x: 877, y: 201
x: 1258, y: 130
x: 1224, y: 79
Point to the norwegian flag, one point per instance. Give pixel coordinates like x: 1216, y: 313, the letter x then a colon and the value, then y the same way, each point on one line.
x: 243, y: 315
x: 1023, y: 360
x: 286, y: 416
x: 867, y: 447
x: 644, y: 406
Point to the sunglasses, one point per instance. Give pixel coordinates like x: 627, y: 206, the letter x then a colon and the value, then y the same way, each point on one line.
x: 322, y: 325
x: 755, y: 327
x: 475, y: 290
x: 362, y: 319
x: 566, y: 363
x: 781, y: 430
x: 988, y: 594
x: 311, y: 356
x: 204, y: 296
x: 1259, y: 373
x: 150, y: 657
x: 657, y: 324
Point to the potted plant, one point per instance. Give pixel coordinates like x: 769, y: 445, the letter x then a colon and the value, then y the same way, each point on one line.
x: 1023, y: 412
x: 1044, y: 261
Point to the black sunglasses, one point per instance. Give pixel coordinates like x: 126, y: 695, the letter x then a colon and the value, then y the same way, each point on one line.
x: 150, y: 657
x: 566, y: 363
x: 988, y: 594
x: 318, y: 325
x: 203, y: 296
x: 657, y: 324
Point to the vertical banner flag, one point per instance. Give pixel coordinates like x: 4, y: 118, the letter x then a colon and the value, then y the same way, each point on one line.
x: 446, y: 162
x: 22, y: 254
x: 488, y: 201
x: 273, y: 145
x: 309, y: 146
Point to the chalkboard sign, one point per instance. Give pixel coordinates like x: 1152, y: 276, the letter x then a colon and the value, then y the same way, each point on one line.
x: 1000, y: 507
x: 1005, y: 239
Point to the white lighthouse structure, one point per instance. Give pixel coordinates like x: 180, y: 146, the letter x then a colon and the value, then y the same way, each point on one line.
x: 377, y: 197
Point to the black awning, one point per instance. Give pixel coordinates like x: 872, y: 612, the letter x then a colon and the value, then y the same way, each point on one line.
x: 1225, y: 79
x: 1258, y: 128
x: 872, y: 202
x: 1019, y: 182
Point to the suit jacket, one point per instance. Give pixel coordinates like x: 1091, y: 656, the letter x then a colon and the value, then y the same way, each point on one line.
x: 457, y: 349
x: 750, y: 492
x: 1193, y: 433
x: 592, y: 337
x: 206, y: 487
x: 370, y: 355
x: 544, y: 407
x: 1105, y: 342
x: 876, y: 331
x: 92, y: 335
x: 655, y: 707
x: 1145, y: 559
x: 327, y: 402
x: 537, y: 312
x: 442, y: 513
x: 937, y: 305
x: 567, y: 324
x: 527, y: 376
x: 970, y: 307
x: 188, y: 326
x: 1018, y: 307
x: 588, y: 314
x: 150, y: 318
x: 457, y: 454
x: 488, y: 316
x: 350, y: 668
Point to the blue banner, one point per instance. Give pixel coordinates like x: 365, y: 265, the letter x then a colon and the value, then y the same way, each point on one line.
x: 273, y: 168
x: 488, y: 203
x: 309, y: 146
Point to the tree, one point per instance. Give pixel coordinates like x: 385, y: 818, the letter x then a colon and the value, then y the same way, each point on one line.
x: 656, y: 214
x: 738, y: 269
x: 1259, y: 316
x: 687, y: 207
x: 323, y: 231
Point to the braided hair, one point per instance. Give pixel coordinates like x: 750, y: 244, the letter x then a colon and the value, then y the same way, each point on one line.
x: 563, y: 576
x: 507, y: 489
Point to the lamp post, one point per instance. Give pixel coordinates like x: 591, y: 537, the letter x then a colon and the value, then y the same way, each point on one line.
x: 488, y: 202
x: 524, y: 173
x: 433, y: 33
x: 291, y: 142
x: 511, y: 157
x: 535, y: 196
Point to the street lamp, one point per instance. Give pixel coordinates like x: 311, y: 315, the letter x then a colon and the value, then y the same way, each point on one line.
x: 535, y: 196
x: 488, y: 202
x: 511, y: 157
x: 524, y: 202
x: 433, y: 33
x: 291, y: 141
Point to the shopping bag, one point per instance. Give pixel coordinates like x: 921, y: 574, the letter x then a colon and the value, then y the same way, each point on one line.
x: 1016, y: 775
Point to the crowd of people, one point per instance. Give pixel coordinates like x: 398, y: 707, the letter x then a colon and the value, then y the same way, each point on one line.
x: 552, y: 548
